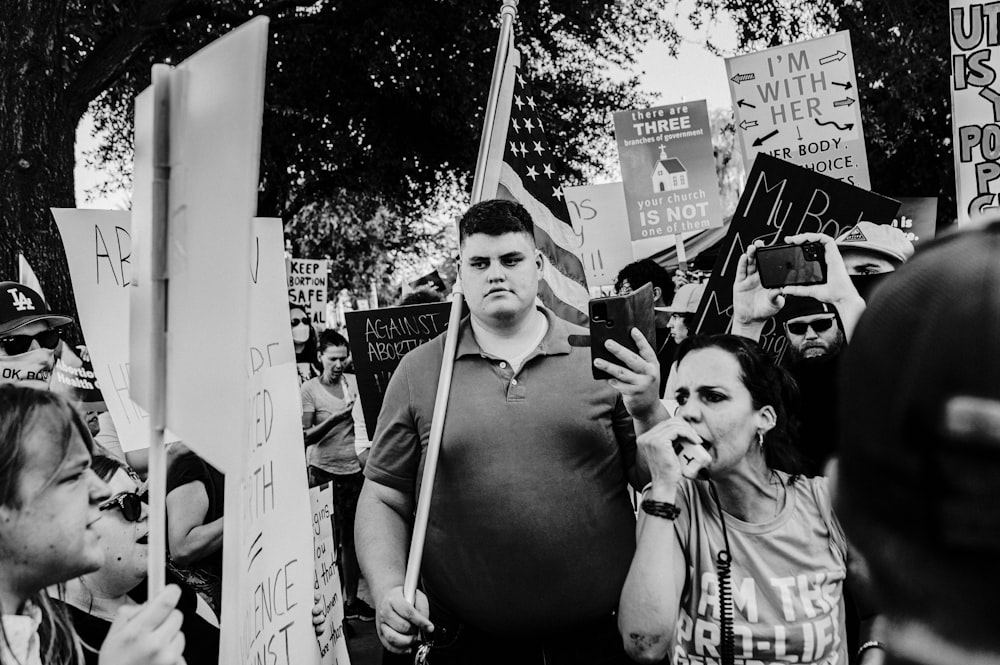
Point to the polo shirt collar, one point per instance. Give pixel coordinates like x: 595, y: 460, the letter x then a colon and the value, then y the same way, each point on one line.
x: 555, y: 342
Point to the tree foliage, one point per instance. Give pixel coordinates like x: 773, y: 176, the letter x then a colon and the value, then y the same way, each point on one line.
x: 901, y: 52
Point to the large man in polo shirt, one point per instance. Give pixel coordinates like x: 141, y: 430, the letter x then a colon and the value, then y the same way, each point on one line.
x: 531, y: 529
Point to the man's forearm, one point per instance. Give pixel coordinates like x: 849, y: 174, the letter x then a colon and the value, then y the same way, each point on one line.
x: 382, y: 540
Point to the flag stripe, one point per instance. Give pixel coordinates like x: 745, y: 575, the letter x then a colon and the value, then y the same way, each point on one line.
x: 559, y: 308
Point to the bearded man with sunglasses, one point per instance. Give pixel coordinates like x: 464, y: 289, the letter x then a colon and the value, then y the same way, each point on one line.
x: 28, y: 335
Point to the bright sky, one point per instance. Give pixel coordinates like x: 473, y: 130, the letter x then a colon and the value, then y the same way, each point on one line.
x: 695, y: 74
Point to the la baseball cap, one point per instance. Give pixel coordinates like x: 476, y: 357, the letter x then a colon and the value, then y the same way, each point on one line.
x: 20, y: 305
x: 877, y: 238
x: 685, y: 300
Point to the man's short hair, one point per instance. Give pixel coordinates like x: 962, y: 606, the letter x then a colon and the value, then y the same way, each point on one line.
x: 646, y: 271
x: 919, y: 426
x: 495, y: 217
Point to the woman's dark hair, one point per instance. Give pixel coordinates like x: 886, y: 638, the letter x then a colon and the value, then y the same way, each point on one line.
x: 329, y: 338
x: 768, y: 385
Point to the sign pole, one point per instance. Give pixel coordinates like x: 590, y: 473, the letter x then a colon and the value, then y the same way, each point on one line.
x: 507, y: 13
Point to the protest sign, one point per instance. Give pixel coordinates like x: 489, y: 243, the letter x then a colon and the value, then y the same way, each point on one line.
x: 326, y: 578
x: 379, y: 339
x: 668, y: 170
x: 98, y: 246
x: 799, y: 102
x: 307, y: 287
x: 600, y: 220
x: 975, y: 107
x: 780, y: 200
x: 216, y: 106
x: 73, y: 377
x: 267, y: 594
x: 269, y: 335
x: 917, y: 218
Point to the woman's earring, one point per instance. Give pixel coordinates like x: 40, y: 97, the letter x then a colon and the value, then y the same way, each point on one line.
x: 760, y: 439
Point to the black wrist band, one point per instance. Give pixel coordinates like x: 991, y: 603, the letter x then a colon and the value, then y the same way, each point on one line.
x: 667, y: 511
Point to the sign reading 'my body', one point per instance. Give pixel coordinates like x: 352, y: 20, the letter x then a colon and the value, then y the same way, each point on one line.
x: 780, y: 200
x: 799, y: 102
x: 380, y: 338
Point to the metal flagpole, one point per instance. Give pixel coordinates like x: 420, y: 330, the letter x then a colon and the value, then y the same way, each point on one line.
x: 507, y: 13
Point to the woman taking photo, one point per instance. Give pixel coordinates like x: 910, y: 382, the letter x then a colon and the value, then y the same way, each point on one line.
x: 745, y: 563
x: 49, y: 508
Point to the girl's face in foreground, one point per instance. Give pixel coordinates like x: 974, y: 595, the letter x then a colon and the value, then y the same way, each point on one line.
x: 48, y: 536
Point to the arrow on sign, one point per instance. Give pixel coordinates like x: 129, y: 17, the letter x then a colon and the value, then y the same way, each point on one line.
x: 836, y: 57
x: 847, y: 101
x: 845, y: 86
x: 740, y: 78
x: 759, y: 142
x: 743, y: 102
x: 842, y: 128
x: 747, y: 124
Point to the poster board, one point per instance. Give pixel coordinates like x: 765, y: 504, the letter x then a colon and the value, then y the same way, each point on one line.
x: 267, y: 593
x: 799, y: 102
x: 782, y: 199
x: 600, y: 220
x: 917, y: 218
x: 668, y: 170
x: 216, y: 107
x: 975, y: 108
x: 379, y: 339
x: 307, y: 279
x: 326, y: 578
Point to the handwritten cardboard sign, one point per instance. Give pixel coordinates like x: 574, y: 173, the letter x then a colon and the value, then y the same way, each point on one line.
x: 326, y: 578
x: 780, y: 200
x: 380, y: 338
x: 799, y: 102
x: 600, y: 220
x: 975, y: 98
x: 668, y: 167
x: 307, y: 287
x: 267, y: 596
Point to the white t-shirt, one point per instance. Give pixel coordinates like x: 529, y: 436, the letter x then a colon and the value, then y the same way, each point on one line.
x: 787, y: 580
x: 22, y: 644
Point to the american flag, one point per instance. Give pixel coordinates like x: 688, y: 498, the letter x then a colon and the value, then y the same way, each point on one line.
x: 521, y: 167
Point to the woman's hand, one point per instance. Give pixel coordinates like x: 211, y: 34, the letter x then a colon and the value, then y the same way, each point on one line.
x: 149, y: 634
x: 657, y: 446
x: 637, y: 378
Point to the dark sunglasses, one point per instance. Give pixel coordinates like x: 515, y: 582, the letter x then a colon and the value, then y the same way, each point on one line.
x: 14, y: 345
x: 818, y: 326
x: 296, y: 322
x: 130, y: 503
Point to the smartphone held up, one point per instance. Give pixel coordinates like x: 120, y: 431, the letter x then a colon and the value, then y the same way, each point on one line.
x: 613, y: 317
x: 791, y: 265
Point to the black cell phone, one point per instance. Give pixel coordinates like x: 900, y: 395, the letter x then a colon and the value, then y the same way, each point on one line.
x: 613, y: 317
x: 787, y: 265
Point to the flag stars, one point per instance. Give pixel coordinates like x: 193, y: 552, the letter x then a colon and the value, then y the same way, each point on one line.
x: 532, y: 173
x: 557, y: 193
x: 520, y: 80
x: 513, y: 147
x: 538, y: 147
x: 518, y: 102
x: 531, y: 103
x: 523, y: 150
x: 513, y: 123
x: 548, y: 170
x: 528, y: 125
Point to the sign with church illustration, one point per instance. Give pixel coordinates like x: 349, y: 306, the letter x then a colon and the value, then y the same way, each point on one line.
x: 668, y: 168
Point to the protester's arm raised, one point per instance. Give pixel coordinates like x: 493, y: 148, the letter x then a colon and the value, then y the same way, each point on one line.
x: 753, y: 305
x: 838, y: 290
x: 651, y: 597
x: 189, y: 539
x: 382, y: 537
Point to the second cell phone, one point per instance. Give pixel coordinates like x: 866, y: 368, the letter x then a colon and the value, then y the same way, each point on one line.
x: 613, y: 317
x: 788, y: 265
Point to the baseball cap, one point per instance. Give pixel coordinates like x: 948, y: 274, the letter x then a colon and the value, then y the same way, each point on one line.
x: 686, y: 299
x: 878, y: 238
x: 20, y: 305
x: 796, y: 306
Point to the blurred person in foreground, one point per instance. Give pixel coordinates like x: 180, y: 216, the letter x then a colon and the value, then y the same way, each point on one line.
x: 49, y: 509
x: 918, y: 481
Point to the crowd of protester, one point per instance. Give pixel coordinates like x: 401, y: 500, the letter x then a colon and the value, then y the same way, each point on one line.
x: 837, y: 505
